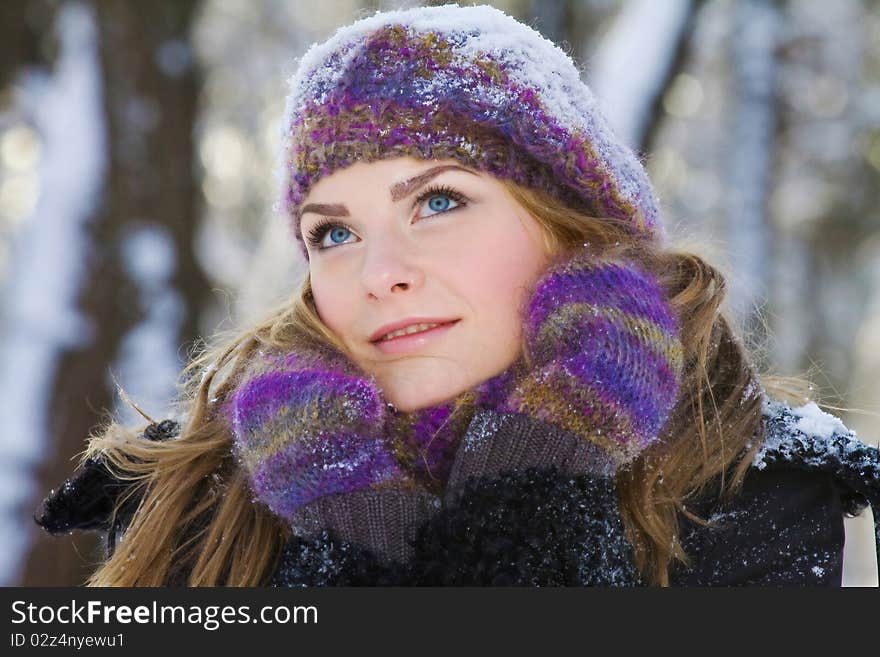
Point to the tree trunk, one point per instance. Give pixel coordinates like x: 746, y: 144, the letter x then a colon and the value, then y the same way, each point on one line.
x: 150, y: 94
x: 752, y: 133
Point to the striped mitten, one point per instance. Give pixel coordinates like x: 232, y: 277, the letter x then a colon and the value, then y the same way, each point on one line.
x: 309, y: 429
x: 531, y: 498
x: 605, y: 373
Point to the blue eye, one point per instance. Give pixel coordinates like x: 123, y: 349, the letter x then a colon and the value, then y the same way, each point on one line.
x: 438, y: 202
x: 337, y: 235
x: 438, y: 199
x: 441, y: 206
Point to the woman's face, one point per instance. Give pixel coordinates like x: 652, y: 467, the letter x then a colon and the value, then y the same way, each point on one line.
x: 414, y: 241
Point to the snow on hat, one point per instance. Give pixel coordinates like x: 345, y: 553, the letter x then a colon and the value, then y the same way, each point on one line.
x: 468, y: 83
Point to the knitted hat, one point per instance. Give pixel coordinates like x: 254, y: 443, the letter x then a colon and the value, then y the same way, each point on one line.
x: 468, y: 83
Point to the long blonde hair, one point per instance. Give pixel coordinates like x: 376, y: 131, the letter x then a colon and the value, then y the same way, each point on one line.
x: 197, y: 524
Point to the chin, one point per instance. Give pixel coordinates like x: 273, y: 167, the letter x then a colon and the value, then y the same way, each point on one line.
x: 407, y: 403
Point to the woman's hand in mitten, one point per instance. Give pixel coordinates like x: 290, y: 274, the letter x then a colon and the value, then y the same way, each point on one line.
x: 605, y: 367
x: 308, y: 429
x: 87, y: 499
x: 606, y: 356
x: 605, y: 371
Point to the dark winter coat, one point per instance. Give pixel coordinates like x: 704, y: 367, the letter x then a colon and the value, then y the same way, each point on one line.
x: 541, y: 527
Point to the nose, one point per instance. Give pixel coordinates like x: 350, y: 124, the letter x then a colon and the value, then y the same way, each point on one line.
x: 389, y: 268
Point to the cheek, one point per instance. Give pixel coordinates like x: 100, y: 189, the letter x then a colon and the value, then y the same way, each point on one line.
x: 499, y: 279
x: 332, y: 306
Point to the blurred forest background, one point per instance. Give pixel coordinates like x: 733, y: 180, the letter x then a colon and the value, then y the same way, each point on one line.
x: 137, y: 149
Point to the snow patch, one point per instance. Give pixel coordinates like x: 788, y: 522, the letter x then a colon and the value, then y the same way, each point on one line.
x: 817, y: 422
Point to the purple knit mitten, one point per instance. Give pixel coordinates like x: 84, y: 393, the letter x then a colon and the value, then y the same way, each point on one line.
x: 309, y: 429
x: 606, y: 369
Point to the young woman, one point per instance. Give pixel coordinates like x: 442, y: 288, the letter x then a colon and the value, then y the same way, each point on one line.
x: 498, y: 369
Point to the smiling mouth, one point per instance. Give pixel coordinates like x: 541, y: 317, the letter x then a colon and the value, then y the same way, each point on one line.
x: 413, y: 329
x: 416, y: 339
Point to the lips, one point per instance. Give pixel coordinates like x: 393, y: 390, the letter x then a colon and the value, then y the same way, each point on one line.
x: 414, y: 342
x: 404, y: 323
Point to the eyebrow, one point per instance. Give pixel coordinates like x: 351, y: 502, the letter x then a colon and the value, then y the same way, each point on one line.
x: 398, y: 191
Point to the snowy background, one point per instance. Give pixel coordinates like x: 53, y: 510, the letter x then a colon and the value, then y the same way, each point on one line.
x: 137, y: 143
